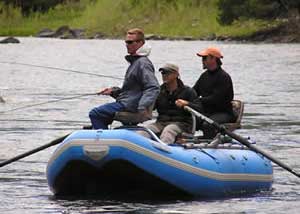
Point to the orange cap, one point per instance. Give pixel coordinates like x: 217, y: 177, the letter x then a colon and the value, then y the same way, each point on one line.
x: 211, y: 51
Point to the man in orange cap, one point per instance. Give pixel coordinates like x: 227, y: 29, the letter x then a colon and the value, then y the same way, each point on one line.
x: 215, y: 92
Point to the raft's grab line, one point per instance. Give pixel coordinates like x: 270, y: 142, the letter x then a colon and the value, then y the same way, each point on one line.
x: 166, y: 160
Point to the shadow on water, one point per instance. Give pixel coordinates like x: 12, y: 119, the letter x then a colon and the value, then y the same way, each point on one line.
x: 155, y: 204
x: 94, y: 205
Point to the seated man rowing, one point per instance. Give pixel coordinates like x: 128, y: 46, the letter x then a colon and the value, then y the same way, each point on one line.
x: 215, y: 92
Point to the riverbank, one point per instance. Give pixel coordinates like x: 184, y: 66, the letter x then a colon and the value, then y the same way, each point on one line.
x: 286, y: 32
x: 164, y: 21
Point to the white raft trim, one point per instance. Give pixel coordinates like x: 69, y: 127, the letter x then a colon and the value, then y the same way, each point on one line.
x: 158, y: 157
x: 96, y: 151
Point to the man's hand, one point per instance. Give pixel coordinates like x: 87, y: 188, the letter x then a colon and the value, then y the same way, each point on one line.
x: 181, y: 103
x: 106, y: 91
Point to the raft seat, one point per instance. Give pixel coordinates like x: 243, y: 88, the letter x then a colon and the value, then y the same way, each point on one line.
x: 133, y: 118
x: 129, y: 118
x: 238, y: 108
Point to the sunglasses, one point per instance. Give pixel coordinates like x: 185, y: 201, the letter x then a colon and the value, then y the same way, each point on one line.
x: 165, y: 72
x: 129, y: 42
x: 205, y: 57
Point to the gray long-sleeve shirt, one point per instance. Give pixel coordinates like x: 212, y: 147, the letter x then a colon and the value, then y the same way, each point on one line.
x: 140, y: 87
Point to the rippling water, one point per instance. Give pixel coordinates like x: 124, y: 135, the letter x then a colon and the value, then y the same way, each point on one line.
x: 266, y: 77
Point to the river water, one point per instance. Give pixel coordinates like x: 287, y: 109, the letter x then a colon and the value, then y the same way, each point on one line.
x: 266, y: 77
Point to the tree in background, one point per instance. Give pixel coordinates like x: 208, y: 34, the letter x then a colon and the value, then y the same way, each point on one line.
x: 27, y: 6
x: 231, y: 10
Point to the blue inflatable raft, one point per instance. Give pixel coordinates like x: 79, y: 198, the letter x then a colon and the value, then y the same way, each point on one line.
x: 120, y: 161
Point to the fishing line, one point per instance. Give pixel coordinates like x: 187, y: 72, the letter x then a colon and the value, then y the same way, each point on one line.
x: 51, y: 101
x: 63, y: 69
x: 41, y: 120
x: 34, y: 129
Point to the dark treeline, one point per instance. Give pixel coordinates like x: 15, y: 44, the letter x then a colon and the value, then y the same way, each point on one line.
x: 28, y: 6
x: 231, y: 10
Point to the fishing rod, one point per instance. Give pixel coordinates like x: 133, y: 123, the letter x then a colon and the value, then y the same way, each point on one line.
x: 51, y: 101
x: 62, y: 69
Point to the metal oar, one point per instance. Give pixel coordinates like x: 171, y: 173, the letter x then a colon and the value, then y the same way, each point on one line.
x: 242, y: 140
x: 52, y: 143
x: 51, y: 101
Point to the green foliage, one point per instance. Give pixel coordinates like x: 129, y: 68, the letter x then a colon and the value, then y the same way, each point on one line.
x: 193, y: 18
x: 12, y: 22
x: 164, y: 17
x: 230, y: 10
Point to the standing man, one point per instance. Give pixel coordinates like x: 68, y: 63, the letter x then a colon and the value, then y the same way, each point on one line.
x: 215, y: 92
x: 171, y: 119
x: 140, y: 87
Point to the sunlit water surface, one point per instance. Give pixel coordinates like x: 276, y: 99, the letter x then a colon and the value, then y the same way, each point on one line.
x: 266, y: 77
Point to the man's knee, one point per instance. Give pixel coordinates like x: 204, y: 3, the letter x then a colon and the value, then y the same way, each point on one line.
x: 93, y: 113
x: 170, y: 133
x: 154, y: 127
x: 172, y: 128
x: 97, y: 112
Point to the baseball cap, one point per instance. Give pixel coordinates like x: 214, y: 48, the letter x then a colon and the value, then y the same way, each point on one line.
x: 169, y: 67
x: 210, y: 51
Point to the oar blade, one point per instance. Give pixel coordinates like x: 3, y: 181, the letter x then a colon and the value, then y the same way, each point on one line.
x: 26, y: 154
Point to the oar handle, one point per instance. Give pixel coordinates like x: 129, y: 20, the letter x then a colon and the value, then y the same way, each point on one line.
x: 52, y: 143
x: 240, y: 139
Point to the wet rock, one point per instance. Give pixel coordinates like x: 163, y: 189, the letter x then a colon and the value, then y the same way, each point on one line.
x: 154, y: 37
x: 99, y: 35
x: 63, y: 32
x: 73, y: 34
x: 2, y: 100
x: 223, y: 38
x: 78, y: 33
x: 46, y: 33
x: 9, y: 40
x: 211, y: 36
